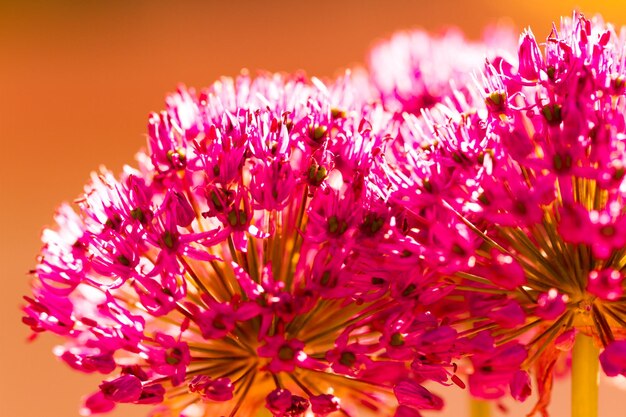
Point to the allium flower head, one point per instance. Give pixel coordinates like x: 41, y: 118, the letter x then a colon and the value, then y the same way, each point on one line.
x: 521, y: 206
x: 251, y: 261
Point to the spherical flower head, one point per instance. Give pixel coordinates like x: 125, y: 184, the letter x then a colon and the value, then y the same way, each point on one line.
x: 414, y: 70
x: 250, y: 261
x: 521, y: 207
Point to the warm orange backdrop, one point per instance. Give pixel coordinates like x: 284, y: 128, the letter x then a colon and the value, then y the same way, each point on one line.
x: 77, y: 80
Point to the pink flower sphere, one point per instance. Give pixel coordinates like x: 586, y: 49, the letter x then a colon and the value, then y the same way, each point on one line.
x: 250, y: 261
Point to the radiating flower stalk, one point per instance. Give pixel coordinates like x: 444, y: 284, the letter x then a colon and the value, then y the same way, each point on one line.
x: 289, y: 247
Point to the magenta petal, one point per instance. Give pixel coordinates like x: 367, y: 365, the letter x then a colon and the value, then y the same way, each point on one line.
x: 324, y: 404
x: 404, y: 411
x: 124, y: 389
x: 606, y: 284
x: 220, y: 389
x: 412, y: 394
x: 509, y: 315
x: 97, y: 403
x: 565, y: 341
x: 520, y: 386
x: 278, y: 400
x: 551, y: 305
x: 505, y: 271
x: 152, y: 394
x: 530, y: 59
x: 613, y: 359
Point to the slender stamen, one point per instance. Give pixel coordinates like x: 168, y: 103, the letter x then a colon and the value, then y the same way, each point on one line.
x: 233, y: 251
x: 512, y: 335
x: 296, y: 239
x: 194, y: 276
x: 303, y: 387
x: 604, y: 330
x: 475, y: 330
x: 243, y: 395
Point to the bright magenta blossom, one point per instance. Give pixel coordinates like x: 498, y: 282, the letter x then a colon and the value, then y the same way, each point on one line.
x: 518, y: 204
x: 251, y: 261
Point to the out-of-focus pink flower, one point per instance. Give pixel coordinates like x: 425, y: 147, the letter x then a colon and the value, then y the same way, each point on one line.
x: 415, y: 70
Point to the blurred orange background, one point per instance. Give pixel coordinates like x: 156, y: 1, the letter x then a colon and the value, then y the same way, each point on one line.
x: 77, y: 80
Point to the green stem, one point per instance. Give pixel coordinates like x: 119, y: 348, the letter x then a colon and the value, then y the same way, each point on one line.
x: 479, y: 408
x: 584, y: 377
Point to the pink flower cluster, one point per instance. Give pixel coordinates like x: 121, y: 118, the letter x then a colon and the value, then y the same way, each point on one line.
x: 517, y: 197
x: 251, y: 260
x: 310, y: 247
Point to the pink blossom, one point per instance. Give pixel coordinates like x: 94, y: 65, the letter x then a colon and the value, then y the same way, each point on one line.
x: 285, y: 354
x: 324, y: 404
x: 96, y: 404
x: 494, y: 371
x: 521, y: 386
x: 124, y: 389
x: 412, y: 394
x: 613, y: 358
x: 529, y: 55
x: 279, y: 401
x: 551, y: 305
x: 88, y: 361
x: 220, y: 389
x: 606, y: 284
x: 257, y: 240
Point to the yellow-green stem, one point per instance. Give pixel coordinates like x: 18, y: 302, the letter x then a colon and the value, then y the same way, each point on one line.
x: 479, y: 408
x: 585, y: 377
